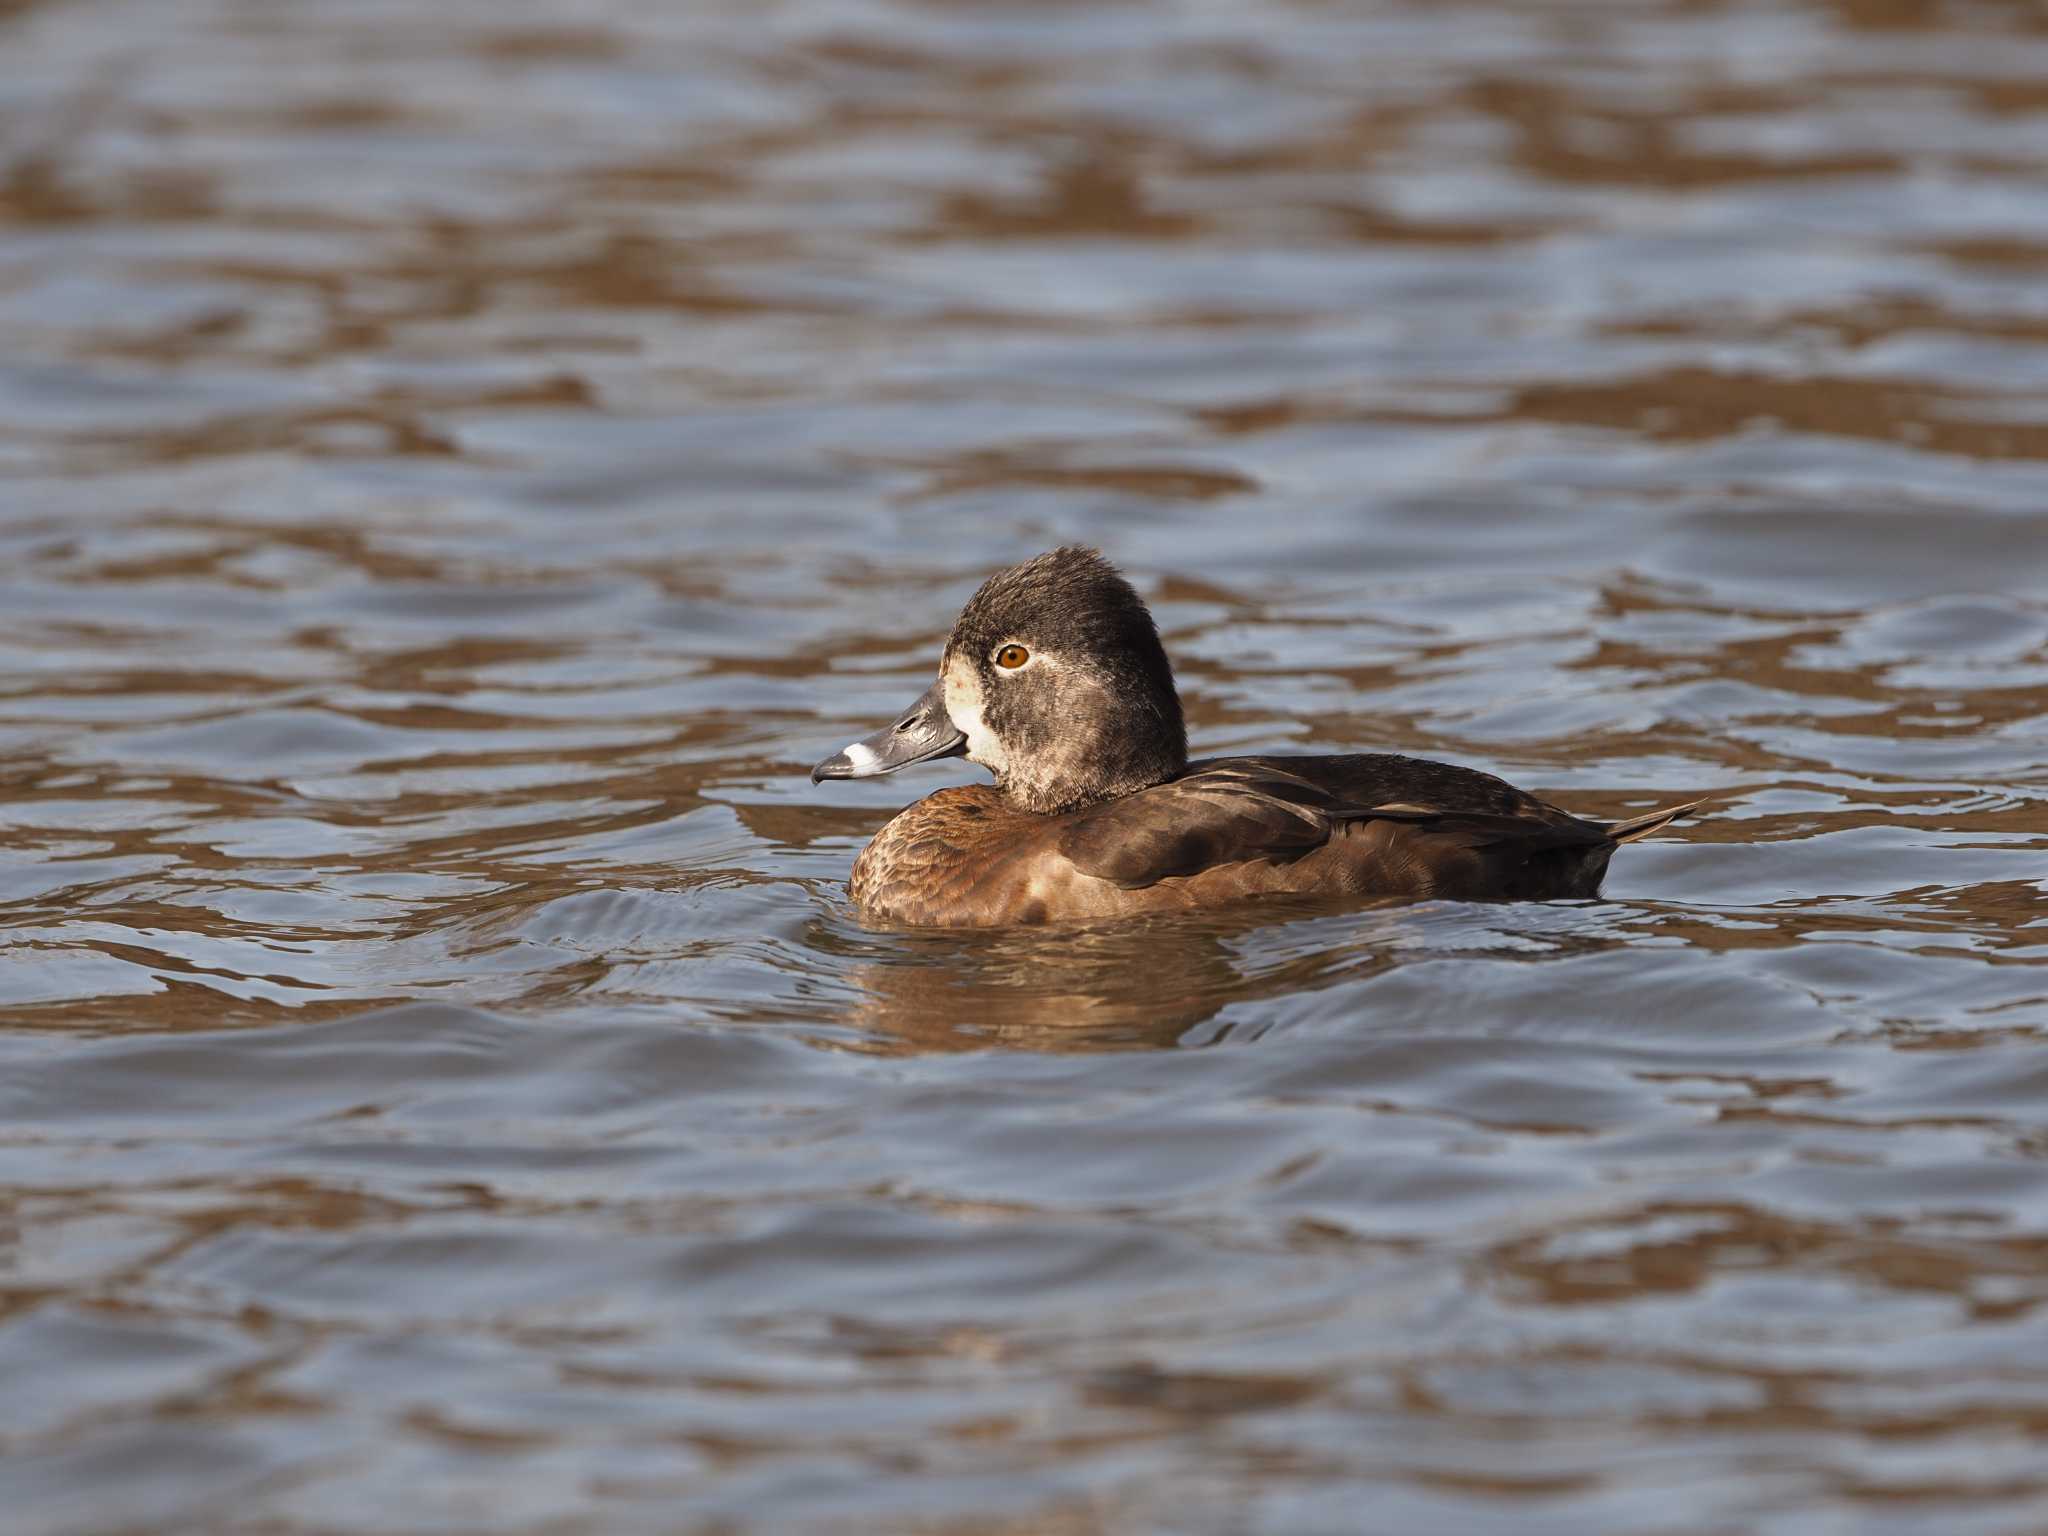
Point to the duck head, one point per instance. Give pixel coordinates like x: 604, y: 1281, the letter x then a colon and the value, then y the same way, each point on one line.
x: 1054, y: 680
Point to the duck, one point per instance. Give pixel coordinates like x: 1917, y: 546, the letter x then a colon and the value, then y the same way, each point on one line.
x: 1055, y: 680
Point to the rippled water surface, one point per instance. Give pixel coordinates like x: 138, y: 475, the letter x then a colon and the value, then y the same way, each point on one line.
x: 460, y: 463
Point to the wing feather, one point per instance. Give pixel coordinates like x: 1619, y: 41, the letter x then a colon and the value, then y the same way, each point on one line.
x: 1144, y: 839
x: 1243, y: 810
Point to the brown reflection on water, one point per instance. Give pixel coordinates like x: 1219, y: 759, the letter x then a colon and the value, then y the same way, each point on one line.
x: 1072, y: 991
x: 459, y: 465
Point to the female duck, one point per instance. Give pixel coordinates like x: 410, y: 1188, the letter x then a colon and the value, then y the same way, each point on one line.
x: 1055, y: 681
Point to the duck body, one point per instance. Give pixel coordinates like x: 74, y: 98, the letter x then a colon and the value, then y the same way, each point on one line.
x: 1359, y: 826
x: 1055, y: 680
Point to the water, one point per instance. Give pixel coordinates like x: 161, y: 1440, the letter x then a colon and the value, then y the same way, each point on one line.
x: 459, y: 464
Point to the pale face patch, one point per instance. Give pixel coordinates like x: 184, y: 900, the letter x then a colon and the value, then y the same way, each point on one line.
x: 963, y: 707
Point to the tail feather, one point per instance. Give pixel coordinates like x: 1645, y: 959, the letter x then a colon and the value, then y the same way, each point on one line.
x: 1655, y: 821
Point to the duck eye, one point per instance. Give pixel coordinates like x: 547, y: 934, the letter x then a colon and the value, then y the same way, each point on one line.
x: 1012, y: 657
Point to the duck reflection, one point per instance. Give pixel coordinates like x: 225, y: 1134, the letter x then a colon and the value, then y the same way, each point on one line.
x: 1132, y: 984
x: 1172, y: 980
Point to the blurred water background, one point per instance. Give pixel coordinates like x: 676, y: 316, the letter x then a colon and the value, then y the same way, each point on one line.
x: 460, y: 462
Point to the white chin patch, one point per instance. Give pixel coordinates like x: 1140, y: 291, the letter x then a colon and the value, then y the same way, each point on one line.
x: 863, y: 759
x: 963, y: 708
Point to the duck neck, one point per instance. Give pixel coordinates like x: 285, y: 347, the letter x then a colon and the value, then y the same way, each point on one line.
x: 1070, y: 780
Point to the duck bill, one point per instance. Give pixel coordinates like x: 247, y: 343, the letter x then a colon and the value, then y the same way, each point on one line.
x: 923, y: 732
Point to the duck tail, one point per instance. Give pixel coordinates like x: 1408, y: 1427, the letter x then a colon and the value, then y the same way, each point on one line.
x: 1655, y: 821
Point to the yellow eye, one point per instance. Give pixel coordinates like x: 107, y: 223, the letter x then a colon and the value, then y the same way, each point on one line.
x: 1012, y: 656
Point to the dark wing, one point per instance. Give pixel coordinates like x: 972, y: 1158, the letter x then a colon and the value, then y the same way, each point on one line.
x: 1199, y: 821
x: 1278, y: 809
